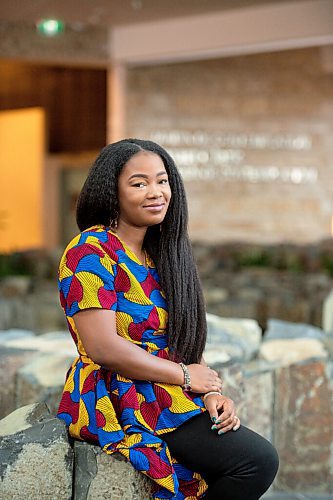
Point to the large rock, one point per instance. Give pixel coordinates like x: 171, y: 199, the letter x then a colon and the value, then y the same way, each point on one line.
x: 303, y: 427
x: 259, y: 397
x: 290, y: 351
x: 99, y: 476
x: 6, y: 313
x: 14, y: 334
x: 36, y: 461
x: 43, y: 379
x: 277, y: 329
x: 33, y: 368
x: 11, y: 361
x: 233, y: 387
x: 327, y: 315
x: 53, y: 342
x: 231, y: 339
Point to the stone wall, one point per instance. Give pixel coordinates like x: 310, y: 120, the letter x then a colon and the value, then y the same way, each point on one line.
x: 255, y: 281
x: 282, y: 386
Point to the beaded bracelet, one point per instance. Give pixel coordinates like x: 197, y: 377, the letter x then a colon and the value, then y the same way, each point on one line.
x: 187, y: 379
x: 209, y: 393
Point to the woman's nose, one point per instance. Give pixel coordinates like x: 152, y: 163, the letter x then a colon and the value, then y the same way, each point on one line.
x: 154, y: 191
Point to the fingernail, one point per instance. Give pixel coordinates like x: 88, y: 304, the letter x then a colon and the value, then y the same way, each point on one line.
x: 214, y: 419
x: 217, y: 422
x: 221, y: 431
x: 213, y: 427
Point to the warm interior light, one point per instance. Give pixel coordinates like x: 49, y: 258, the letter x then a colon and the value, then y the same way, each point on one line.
x: 332, y: 226
x: 50, y: 27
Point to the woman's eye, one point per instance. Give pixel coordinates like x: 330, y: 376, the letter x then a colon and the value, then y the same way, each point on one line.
x: 139, y: 184
x: 164, y: 181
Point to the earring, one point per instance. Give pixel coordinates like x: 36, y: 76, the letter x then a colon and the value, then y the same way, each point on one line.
x: 114, y: 222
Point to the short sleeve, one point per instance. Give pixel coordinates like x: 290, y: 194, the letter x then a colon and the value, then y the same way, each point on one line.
x: 86, y: 279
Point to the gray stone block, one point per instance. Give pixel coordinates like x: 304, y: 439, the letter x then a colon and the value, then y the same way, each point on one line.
x: 259, y: 395
x: 99, y: 476
x: 277, y: 329
x: 14, y: 334
x: 43, y: 379
x: 231, y: 339
x: 290, y: 351
x: 233, y: 387
x: 11, y: 361
x: 36, y: 460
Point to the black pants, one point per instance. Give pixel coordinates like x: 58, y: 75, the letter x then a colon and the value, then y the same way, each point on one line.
x: 238, y: 465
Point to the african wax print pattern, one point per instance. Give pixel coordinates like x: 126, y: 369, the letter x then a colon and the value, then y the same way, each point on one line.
x: 98, y: 270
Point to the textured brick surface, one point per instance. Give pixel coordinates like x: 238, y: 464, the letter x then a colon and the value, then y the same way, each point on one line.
x: 288, y: 92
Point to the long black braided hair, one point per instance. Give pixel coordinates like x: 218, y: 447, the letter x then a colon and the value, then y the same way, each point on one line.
x: 169, y: 245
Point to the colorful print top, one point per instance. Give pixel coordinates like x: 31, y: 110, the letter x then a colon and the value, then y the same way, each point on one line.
x: 98, y: 270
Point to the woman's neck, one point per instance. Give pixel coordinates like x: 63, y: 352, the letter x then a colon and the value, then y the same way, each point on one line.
x: 132, y: 236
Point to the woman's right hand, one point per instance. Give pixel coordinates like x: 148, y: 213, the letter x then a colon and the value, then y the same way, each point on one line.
x: 204, y: 379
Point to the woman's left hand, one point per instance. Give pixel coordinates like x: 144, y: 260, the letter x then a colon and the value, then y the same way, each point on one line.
x: 222, y: 413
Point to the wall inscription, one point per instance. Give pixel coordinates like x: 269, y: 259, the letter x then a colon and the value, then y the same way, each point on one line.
x: 208, y: 156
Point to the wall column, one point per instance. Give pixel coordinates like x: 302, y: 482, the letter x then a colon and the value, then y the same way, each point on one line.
x: 116, y: 102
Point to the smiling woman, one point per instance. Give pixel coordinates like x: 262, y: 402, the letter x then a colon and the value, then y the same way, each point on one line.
x: 133, y: 302
x: 144, y: 192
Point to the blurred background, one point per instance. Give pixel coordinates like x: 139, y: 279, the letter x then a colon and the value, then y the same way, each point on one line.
x: 240, y: 92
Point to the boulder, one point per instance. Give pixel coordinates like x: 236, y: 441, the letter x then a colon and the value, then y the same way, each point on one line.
x: 277, y: 329
x: 303, y: 427
x: 104, y: 477
x: 289, y: 351
x: 231, y: 339
x: 259, y: 397
x: 36, y: 460
x: 11, y: 360
x: 327, y: 315
x: 233, y: 387
x: 42, y: 379
x: 15, y: 334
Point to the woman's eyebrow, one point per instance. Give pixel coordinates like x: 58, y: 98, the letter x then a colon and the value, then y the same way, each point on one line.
x: 144, y: 176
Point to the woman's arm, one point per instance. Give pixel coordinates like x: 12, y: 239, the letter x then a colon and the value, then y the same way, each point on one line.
x: 97, y: 331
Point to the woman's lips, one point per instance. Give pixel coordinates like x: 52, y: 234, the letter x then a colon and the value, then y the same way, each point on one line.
x: 154, y: 208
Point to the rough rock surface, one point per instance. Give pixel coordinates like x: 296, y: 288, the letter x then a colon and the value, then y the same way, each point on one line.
x: 33, y: 368
x: 36, y: 460
x: 288, y: 351
x: 11, y: 361
x: 102, y: 476
x: 231, y: 339
x: 303, y: 427
x: 259, y: 397
x: 277, y: 329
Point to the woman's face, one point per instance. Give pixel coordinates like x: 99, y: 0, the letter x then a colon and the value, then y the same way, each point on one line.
x: 143, y: 190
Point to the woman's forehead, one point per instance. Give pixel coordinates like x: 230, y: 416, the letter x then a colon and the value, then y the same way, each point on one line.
x: 144, y: 162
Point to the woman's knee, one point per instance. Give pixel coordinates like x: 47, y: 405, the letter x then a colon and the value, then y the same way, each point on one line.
x: 266, y: 460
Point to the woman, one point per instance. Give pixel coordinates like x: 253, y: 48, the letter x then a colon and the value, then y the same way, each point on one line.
x: 132, y: 297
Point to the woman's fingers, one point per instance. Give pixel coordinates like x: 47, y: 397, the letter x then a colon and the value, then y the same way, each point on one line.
x: 236, y: 423
x: 211, y: 407
x: 227, y: 419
